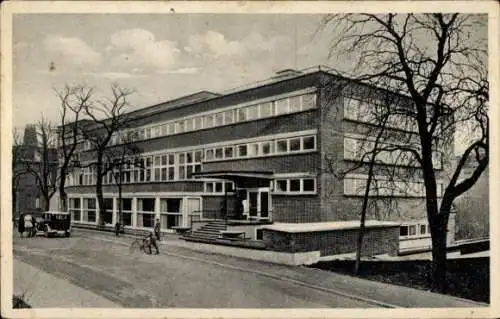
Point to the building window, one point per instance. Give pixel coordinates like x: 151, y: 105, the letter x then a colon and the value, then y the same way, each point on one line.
x: 219, y: 119
x: 209, y: 154
x: 242, y: 150
x: 180, y: 126
x: 209, y: 121
x: 423, y: 229
x: 253, y: 149
x: 308, y: 101
x: 219, y: 153
x: 89, y: 210
x: 229, y: 117
x: 126, y: 207
x: 267, y: 148
x: 145, y: 212
x: 198, y: 123
x: 282, y: 146
x: 219, y: 187
x: 309, y: 185
x: 414, y: 230
x: 294, y: 103
x: 253, y: 112
x: 266, y: 109
x: 294, y: 144
x: 170, y: 212
x: 188, y: 125
x: 228, y: 152
x: 108, y: 211
x: 282, y: 106
x: 308, y: 143
x: 242, y: 114
x: 403, y: 231
x: 294, y: 185
x: 282, y: 185
x: 171, y: 128
x: 74, y: 209
x: 303, y: 185
x: 189, y: 162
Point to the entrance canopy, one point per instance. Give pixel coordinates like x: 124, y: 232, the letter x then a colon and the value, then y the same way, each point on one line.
x: 242, y: 179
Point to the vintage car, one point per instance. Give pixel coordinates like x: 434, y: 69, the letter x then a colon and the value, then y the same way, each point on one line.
x: 56, y: 224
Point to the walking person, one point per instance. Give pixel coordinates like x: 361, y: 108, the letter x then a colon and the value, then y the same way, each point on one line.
x: 157, y: 229
x: 117, y: 229
x: 20, y: 225
x: 28, y: 224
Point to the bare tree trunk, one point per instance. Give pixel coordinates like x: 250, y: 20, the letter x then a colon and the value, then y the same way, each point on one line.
x: 361, y: 232
x: 439, y: 230
x: 63, y: 197
x: 438, y: 272
x: 120, y: 217
x: 99, y: 194
x: 46, y: 204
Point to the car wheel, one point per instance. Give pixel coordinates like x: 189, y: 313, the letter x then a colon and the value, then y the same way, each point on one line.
x: 68, y: 234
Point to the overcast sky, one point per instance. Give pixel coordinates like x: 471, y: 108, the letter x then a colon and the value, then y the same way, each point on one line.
x: 160, y: 56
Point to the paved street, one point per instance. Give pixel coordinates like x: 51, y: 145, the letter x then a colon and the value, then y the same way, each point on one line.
x: 109, y: 270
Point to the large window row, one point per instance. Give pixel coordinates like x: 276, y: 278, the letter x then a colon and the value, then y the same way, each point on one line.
x: 230, y: 116
x: 365, y: 112
x: 411, y: 230
x: 355, y: 186
x: 170, y: 211
x: 356, y: 149
x: 295, y: 185
x: 177, y: 166
x: 264, y: 148
x: 219, y: 187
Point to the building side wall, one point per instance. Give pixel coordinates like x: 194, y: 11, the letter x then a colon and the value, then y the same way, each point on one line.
x: 380, y: 240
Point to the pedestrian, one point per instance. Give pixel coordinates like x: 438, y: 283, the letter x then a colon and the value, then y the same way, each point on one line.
x: 157, y: 229
x: 20, y: 225
x: 28, y: 224
x: 152, y: 242
x: 117, y: 229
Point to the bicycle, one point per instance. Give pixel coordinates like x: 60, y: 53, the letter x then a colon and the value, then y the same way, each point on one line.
x: 139, y: 244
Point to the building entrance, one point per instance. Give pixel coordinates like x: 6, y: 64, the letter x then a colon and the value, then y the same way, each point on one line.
x: 259, y: 203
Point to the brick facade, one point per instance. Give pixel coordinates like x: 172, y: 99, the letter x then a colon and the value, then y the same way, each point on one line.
x: 379, y: 240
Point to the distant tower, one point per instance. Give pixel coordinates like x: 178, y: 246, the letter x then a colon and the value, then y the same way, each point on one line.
x: 30, y: 138
x: 30, y: 141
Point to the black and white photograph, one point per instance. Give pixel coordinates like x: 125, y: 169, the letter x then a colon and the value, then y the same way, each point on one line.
x: 283, y: 159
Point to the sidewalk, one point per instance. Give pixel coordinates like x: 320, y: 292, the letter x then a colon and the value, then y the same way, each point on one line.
x: 43, y: 290
x: 391, y: 295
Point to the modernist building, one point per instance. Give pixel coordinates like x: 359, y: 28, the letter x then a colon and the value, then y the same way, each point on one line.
x: 264, y: 152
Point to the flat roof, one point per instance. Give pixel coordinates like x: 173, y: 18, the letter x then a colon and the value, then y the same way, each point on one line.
x: 325, y: 226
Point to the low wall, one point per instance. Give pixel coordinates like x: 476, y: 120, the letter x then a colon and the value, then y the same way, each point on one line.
x: 376, y: 240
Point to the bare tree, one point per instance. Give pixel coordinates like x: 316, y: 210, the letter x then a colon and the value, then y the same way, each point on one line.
x: 73, y: 102
x: 439, y: 62
x: 108, y: 115
x: 118, y: 159
x: 43, y: 166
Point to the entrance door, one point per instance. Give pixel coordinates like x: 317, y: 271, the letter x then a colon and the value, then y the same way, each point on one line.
x: 193, y: 210
x: 253, y: 203
x: 258, y: 203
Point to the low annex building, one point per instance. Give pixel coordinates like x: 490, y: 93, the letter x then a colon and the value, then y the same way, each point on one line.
x: 261, y: 155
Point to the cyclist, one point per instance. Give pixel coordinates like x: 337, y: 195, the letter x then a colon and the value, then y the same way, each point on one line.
x: 149, y: 241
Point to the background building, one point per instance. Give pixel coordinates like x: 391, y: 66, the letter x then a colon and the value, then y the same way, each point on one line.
x: 27, y: 196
